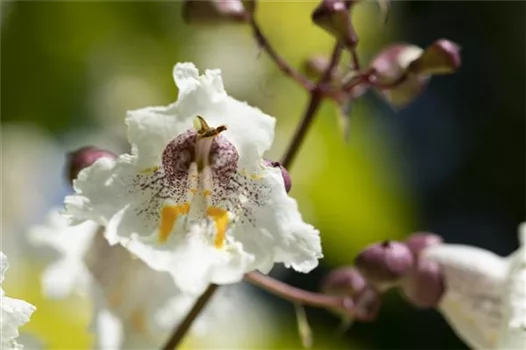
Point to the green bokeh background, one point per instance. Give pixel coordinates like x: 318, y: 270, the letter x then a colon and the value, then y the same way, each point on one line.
x: 73, y: 68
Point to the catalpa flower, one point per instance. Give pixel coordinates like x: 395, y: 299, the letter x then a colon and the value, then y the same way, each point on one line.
x: 15, y: 313
x: 67, y: 273
x: 126, y: 293
x: 485, y: 294
x: 195, y: 197
x: 134, y: 306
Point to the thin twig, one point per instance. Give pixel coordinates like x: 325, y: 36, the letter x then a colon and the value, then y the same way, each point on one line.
x: 280, y: 61
x: 179, y: 333
x: 300, y: 296
x: 316, y: 96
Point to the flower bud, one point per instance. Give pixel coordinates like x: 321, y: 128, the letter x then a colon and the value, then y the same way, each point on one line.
x: 367, y: 303
x: 403, y: 70
x: 213, y: 11
x: 383, y: 264
x: 83, y: 158
x: 424, y: 286
x: 333, y: 16
x: 420, y: 240
x: 441, y: 57
x: 284, y: 173
x: 345, y: 281
x: 391, y: 66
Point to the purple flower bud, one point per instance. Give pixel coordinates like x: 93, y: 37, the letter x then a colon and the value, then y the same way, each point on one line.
x: 424, y: 286
x: 402, y: 70
x: 383, y: 264
x: 391, y: 70
x: 284, y: 173
x: 441, y: 57
x: 345, y: 281
x: 214, y: 11
x: 420, y: 240
x: 333, y: 16
x: 367, y: 303
x: 83, y: 158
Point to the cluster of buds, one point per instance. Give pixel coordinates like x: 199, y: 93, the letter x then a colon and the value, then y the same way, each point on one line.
x: 399, y: 72
x: 385, y: 265
x: 349, y: 282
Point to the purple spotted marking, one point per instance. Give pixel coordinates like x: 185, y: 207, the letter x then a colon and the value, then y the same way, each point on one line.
x: 230, y: 189
x: 223, y: 160
x: 178, y: 155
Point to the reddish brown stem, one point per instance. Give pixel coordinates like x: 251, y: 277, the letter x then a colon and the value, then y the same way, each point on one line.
x: 300, y: 296
x: 316, y: 96
x: 280, y: 61
x: 181, y: 330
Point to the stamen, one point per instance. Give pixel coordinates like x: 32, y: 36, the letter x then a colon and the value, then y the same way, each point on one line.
x: 220, y: 218
x: 204, y: 130
x: 205, y: 138
x: 169, y: 215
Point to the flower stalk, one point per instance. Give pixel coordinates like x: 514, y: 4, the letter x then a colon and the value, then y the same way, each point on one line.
x: 180, y: 331
x: 283, y: 65
x: 316, y: 96
x: 299, y: 296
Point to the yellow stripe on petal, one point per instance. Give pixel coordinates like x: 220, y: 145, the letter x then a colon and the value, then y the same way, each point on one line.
x: 169, y: 215
x: 220, y: 217
x: 151, y: 170
x: 138, y: 321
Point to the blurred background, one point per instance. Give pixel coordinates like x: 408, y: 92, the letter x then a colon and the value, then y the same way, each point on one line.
x: 451, y: 163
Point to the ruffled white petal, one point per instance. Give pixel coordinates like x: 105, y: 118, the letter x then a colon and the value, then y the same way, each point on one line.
x: 14, y: 313
x: 194, y: 263
x: 67, y: 240
x: 67, y: 273
x: 472, y: 302
x: 248, y: 128
x: 513, y: 330
x: 278, y: 232
x: 101, y: 191
x: 63, y: 277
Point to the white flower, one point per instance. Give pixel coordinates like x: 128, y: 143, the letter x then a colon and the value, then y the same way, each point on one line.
x: 15, y: 313
x: 193, y: 199
x: 68, y: 273
x: 134, y: 307
x: 485, y: 297
x: 512, y: 334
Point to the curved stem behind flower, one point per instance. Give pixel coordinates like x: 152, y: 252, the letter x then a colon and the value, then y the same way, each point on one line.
x: 316, y: 96
x: 300, y: 296
x: 280, y: 62
x: 184, y: 326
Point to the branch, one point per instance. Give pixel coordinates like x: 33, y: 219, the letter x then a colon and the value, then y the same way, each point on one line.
x: 300, y: 296
x: 280, y: 62
x: 179, y: 332
x: 316, y: 97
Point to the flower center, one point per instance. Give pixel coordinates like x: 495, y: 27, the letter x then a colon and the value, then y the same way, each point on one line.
x: 198, y: 167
